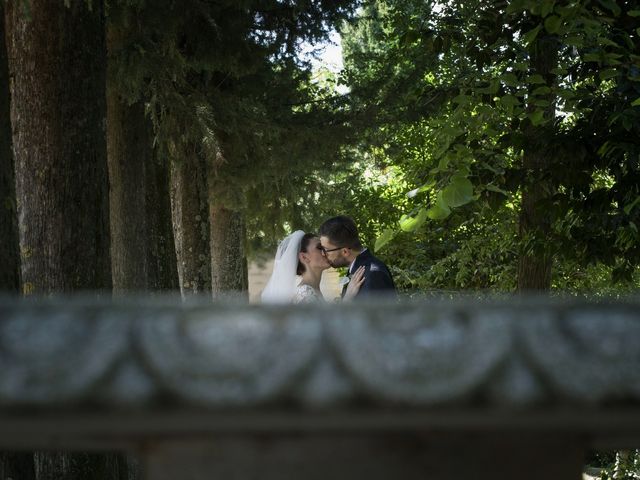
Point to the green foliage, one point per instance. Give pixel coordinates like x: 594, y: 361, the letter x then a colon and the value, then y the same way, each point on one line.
x: 452, y: 98
x: 222, y: 80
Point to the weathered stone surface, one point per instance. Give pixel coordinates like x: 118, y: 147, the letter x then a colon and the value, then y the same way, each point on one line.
x: 228, y: 356
x: 52, y: 354
x: 420, y: 356
x: 141, y: 352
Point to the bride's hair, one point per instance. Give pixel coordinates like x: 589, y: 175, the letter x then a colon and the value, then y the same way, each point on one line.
x: 304, y: 247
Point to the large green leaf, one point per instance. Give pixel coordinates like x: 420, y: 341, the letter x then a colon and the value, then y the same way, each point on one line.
x: 385, y: 237
x: 440, y: 209
x: 459, y: 192
x: 410, y: 223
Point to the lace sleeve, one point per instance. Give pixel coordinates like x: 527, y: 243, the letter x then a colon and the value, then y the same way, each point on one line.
x: 306, y: 294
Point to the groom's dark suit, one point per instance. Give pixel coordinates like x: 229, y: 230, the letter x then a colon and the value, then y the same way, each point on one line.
x: 377, y: 277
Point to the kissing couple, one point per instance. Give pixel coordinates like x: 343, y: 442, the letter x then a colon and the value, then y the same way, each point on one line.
x: 302, y: 257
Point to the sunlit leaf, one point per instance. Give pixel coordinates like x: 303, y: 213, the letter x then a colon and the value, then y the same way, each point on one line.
x: 440, y: 209
x: 410, y: 223
x: 427, y: 186
x: 385, y: 237
x: 459, y: 192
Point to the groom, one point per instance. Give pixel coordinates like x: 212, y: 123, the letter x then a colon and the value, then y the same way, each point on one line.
x: 340, y: 244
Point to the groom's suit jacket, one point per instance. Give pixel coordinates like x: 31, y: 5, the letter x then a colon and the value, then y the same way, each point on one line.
x: 377, y: 277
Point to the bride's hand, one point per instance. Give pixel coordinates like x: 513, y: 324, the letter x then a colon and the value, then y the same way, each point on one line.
x: 353, y: 287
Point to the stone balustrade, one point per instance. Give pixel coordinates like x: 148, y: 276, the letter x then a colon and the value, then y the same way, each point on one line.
x: 504, y: 388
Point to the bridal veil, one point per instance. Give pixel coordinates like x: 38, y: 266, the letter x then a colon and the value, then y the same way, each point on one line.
x: 281, y: 286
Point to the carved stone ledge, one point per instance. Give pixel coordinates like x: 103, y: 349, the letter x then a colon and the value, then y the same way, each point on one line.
x: 494, y: 390
x: 508, y: 353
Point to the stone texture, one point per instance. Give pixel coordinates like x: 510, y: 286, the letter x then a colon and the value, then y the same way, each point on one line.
x: 511, y: 353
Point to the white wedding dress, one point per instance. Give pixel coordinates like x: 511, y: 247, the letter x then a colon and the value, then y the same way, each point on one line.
x: 306, y: 294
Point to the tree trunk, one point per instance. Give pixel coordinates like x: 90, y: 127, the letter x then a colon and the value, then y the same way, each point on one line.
x: 57, y: 60
x: 142, y: 250
x: 162, y: 260
x: 82, y: 466
x: 534, y: 266
x: 18, y: 465
x: 190, y: 224
x: 228, y: 261
x: 9, y: 250
x: 128, y: 149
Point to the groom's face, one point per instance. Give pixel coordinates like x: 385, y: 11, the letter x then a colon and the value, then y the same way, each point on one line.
x: 335, y: 254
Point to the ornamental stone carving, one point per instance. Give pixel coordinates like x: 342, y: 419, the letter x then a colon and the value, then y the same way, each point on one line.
x: 510, y: 352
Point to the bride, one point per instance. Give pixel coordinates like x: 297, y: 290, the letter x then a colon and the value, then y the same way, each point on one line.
x: 300, y: 254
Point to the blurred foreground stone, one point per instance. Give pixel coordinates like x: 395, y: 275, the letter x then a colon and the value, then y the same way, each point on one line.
x: 511, y: 388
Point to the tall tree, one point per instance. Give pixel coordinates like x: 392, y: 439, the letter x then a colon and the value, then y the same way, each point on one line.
x: 162, y: 260
x: 9, y: 250
x: 191, y: 222
x: 142, y: 251
x: 534, y: 265
x: 57, y: 60
x: 12, y: 465
x: 228, y: 237
x: 128, y: 150
x: 57, y: 112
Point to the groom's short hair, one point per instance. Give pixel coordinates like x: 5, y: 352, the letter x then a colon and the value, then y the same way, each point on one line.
x: 341, y: 231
